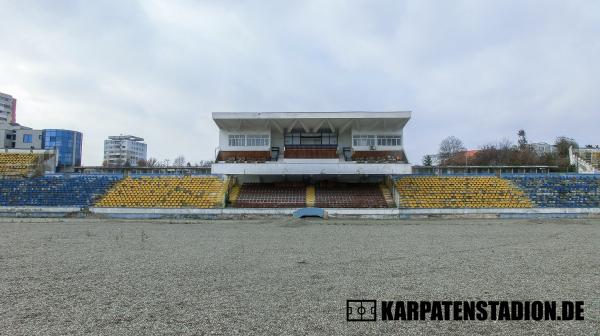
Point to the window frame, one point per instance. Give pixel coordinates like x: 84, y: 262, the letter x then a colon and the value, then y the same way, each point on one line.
x: 393, y: 140
x: 363, y: 140
x: 258, y: 140
x: 237, y: 140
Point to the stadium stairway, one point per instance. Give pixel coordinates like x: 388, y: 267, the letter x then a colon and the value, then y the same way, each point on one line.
x: 310, y: 196
x: 387, y: 195
x: 234, y: 194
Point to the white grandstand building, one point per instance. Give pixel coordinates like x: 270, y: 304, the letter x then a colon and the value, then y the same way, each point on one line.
x: 311, y: 143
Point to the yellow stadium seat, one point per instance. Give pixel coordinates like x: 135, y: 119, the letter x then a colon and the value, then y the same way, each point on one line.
x: 459, y: 192
x: 18, y: 164
x: 166, y: 192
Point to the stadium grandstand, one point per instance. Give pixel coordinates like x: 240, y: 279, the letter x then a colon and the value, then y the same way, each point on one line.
x: 310, y: 159
x: 280, y: 160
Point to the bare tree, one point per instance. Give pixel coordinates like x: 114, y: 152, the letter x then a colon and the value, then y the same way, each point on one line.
x: 506, y: 152
x: 203, y: 163
x: 179, y: 161
x: 450, y: 149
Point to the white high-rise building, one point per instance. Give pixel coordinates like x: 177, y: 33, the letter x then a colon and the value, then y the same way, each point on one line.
x: 124, y: 150
x: 8, y: 108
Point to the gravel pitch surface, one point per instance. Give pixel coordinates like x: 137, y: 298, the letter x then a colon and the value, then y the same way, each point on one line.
x: 285, y: 276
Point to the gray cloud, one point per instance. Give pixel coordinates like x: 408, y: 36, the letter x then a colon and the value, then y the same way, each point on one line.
x: 475, y: 69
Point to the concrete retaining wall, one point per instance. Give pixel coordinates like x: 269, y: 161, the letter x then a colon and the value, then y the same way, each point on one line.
x: 145, y: 213
x: 238, y: 213
x: 350, y: 213
x: 501, y: 213
x: 46, y: 212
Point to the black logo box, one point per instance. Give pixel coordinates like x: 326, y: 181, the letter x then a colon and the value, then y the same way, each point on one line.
x: 361, y: 310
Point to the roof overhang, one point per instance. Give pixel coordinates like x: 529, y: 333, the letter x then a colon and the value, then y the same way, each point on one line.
x: 305, y: 168
x: 310, y: 121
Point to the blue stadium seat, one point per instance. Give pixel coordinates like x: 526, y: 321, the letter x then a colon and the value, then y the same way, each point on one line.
x: 77, y: 190
x: 560, y: 191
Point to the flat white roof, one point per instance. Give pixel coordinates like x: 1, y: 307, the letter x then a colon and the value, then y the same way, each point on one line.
x: 312, y: 115
x: 310, y: 120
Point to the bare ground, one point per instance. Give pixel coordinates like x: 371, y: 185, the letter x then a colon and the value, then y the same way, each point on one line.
x: 285, y: 276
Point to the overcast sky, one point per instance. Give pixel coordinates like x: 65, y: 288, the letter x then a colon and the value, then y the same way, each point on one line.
x: 478, y: 69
